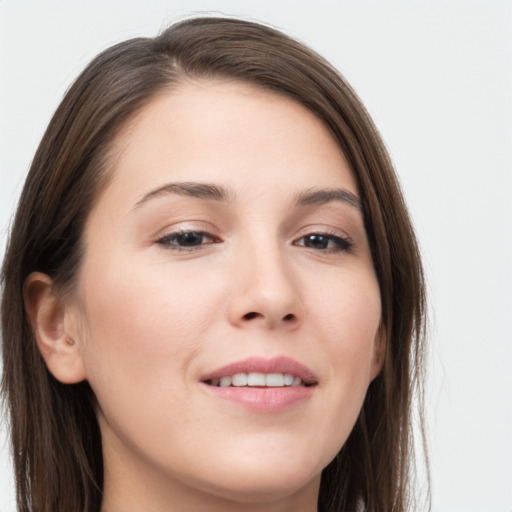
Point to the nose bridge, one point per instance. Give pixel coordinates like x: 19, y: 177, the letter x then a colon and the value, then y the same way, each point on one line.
x: 267, y: 291
x: 270, y: 274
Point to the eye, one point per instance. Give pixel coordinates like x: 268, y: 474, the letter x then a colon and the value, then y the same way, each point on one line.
x: 186, y: 240
x: 325, y: 242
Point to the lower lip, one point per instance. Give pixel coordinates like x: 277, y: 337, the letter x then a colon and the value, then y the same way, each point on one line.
x: 264, y: 399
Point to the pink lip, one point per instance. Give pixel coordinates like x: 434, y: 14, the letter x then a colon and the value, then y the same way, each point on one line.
x: 264, y: 399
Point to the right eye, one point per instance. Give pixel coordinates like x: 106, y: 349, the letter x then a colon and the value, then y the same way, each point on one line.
x: 186, y: 240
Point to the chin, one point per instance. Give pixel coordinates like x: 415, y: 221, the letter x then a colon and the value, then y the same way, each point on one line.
x: 256, y: 483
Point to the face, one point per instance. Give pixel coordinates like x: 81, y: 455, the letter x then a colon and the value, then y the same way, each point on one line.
x: 228, y: 304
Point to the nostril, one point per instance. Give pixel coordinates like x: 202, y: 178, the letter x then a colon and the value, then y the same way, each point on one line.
x: 289, y: 318
x: 251, y: 315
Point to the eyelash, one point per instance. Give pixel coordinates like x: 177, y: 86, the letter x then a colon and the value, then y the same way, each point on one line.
x: 171, y: 241
x: 341, y: 244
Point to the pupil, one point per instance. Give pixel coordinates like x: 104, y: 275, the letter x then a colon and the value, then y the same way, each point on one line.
x: 317, y: 242
x: 190, y: 239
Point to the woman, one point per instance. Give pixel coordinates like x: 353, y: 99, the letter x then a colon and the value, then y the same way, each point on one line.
x: 213, y: 298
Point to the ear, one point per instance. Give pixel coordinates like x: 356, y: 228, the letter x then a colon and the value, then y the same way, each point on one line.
x: 379, y: 351
x: 54, y: 326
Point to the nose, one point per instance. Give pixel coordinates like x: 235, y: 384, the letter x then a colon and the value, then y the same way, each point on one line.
x: 266, y: 293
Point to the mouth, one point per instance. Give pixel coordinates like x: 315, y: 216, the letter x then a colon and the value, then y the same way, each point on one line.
x: 262, y: 385
x: 256, y: 372
x: 258, y: 380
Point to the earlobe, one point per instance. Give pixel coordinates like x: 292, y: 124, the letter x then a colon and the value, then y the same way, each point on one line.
x: 54, y: 329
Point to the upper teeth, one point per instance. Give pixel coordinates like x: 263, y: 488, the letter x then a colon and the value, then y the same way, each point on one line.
x: 258, y: 379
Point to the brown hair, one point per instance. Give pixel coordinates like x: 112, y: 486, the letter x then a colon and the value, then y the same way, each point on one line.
x: 56, y: 440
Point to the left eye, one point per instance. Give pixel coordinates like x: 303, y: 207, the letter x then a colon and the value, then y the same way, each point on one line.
x: 185, y: 240
x: 324, y: 242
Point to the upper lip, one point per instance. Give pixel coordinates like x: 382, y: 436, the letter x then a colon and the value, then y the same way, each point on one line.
x: 279, y: 364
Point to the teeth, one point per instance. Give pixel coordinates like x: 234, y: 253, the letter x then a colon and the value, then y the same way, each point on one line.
x: 225, y: 382
x: 275, y: 380
x: 256, y: 379
x: 240, y: 379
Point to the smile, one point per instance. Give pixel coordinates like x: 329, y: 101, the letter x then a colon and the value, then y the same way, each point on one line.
x: 259, y: 372
x: 262, y: 385
x: 255, y: 379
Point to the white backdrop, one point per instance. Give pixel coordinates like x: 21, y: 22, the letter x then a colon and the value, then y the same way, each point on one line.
x: 437, y: 78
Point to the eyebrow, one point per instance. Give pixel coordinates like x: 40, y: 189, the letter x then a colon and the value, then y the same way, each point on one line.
x: 207, y: 191
x: 316, y: 196
x: 213, y: 192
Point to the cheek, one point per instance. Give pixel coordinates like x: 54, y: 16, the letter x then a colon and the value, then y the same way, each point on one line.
x: 348, y: 317
x: 348, y: 309
x: 143, y: 322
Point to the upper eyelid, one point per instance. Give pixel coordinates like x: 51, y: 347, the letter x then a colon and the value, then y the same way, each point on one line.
x: 209, y: 230
x: 179, y: 232
x: 185, y: 227
x: 327, y: 234
x: 316, y: 229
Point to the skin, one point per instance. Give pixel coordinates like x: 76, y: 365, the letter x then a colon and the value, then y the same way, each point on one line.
x: 150, y: 317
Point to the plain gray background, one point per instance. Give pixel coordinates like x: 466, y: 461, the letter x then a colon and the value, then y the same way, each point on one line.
x: 437, y: 78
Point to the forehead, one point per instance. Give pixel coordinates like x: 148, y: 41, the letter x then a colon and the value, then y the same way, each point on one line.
x: 228, y: 132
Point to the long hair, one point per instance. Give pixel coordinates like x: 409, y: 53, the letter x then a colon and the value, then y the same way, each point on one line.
x: 56, y: 472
